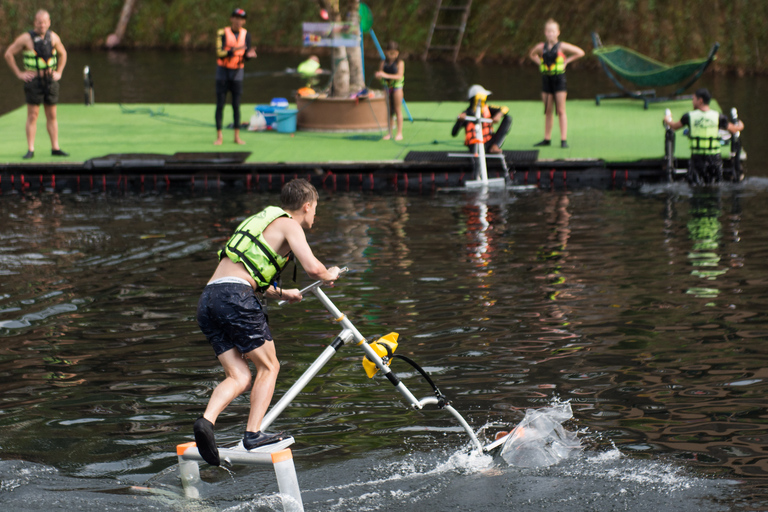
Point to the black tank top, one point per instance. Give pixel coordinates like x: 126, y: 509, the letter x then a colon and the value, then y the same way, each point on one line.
x: 391, y: 69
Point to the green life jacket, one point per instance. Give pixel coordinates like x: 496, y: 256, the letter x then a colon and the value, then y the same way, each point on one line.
x: 552, y: 60
x: 704, y: 128
x: 247, y: 245
x: 308, y: 68
x: 44, y: 54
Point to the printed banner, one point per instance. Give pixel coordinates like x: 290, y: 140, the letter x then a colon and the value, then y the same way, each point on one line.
x: 331, y: 34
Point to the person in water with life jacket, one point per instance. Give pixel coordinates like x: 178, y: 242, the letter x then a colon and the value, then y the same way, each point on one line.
x: 232, y: 315
x: 478, y: 95
x: 553, y: 56
x: 392, y: 72
x: 44, y: 60
x: 704, y: 125
x: 233, y: 48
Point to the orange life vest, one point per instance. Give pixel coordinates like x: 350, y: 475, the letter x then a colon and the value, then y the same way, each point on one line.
x: 236, y: 61
x: 470, y: 138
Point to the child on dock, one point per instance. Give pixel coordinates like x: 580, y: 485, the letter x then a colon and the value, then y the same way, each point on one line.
x: 552, y: 56
x: 477, y: 96
x: 232, y: 317
x: 392, y: 72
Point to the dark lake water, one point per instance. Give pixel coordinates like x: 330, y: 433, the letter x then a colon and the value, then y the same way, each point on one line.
x: 645, y: 309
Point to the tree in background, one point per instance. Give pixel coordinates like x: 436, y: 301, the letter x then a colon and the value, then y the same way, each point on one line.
x: 348, y: 62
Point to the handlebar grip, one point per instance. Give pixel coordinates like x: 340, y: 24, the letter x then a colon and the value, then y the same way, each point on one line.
x: 314, y: 285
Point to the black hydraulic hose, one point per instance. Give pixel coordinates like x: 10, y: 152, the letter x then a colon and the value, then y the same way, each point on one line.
x: 424, y: 374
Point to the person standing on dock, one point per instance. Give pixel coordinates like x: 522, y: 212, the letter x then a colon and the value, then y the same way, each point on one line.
x: 232, y: 317
x: 552, y: 56
x: 233, y: 48
x: 478, y: 96
x: 392, y: 73
x: 44, y: 60
x: 704, y: 125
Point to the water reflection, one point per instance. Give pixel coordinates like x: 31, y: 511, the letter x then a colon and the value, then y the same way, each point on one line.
x: 705, y: 231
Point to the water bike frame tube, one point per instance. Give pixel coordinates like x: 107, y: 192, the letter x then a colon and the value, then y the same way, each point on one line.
x: 350, y: 333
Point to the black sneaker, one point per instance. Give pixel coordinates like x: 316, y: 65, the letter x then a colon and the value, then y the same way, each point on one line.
x: 58, y: 152
x: 253, y: 440
x: 545, y: 142
x: 564, y: 144
x: 29, y: 155
x: 206, y: 441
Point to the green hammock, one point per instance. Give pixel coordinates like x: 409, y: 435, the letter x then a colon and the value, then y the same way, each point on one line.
x: 643, y: 71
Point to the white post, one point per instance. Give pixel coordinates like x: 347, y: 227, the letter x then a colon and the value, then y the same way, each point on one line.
x: 285, y: 472
x: 189, y: 472
x: 281, y: 459
x: 480, y: 146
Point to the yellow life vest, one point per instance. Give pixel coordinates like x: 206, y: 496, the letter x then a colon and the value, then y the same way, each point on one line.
x: 703, y: 132
x: 552, y: 60
x: 247, y: 246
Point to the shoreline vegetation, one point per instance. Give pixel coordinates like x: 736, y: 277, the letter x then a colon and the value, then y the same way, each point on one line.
x: 498, y: 31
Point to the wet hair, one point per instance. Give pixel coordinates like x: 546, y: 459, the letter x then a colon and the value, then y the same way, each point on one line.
x: 296, y: 193
x: 392, y: 45
x: 704, y: 95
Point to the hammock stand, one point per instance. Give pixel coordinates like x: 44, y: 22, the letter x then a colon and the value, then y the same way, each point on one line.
x: 643, y: 71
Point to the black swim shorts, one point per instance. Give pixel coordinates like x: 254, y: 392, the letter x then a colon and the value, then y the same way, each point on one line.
x: 551, y: 84
x: 41, y: 90
x: 230, y: 315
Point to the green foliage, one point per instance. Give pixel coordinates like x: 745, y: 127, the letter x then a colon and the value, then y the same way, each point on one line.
x: 669, y: 31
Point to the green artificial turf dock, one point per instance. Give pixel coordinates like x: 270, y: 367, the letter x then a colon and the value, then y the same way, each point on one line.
x: 616, y: 131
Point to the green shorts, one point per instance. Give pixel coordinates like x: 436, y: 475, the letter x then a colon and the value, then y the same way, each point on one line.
x: 42, y: 90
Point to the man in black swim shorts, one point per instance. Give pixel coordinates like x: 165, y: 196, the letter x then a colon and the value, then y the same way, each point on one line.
x: 44, y: 60
x: 231, y: 315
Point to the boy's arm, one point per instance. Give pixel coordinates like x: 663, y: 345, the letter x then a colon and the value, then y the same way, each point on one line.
x: 297, y: 240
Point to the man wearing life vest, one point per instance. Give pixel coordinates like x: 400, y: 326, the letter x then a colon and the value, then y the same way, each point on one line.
x: 493, y: 141
x: 44, y: 60
x: 231, y: 315
x: 704, y: 124
x: 552, y: 56
x: 233, y: 48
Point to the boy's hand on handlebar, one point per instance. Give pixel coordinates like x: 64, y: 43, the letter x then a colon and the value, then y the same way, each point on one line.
x: 292, y: 295
x: 333, y: 272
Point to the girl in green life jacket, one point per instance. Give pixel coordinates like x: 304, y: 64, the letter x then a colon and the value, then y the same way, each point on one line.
x: 392, y: 72
x: 552, y: 56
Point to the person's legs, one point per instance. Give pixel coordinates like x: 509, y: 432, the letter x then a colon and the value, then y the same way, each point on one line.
x: 562, y: 116
x: 52, y: 123
x: 549, y: 114
x: 267, y: 369
x: 33, y: 111
x: 221, y: 100
x: 237, y: 381
x: 236, y: 86
x: 397, y: 99
x: 497, y: 140
x: 390, y: 111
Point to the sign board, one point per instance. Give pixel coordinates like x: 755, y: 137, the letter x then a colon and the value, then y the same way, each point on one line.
x: 331, y: 34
